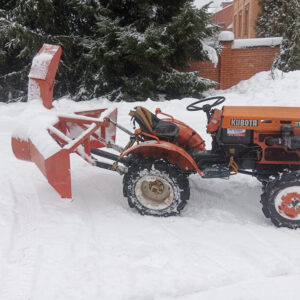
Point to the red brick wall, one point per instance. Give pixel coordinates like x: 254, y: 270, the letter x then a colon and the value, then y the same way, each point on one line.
x: 236, y: 64
x: 205, y: 69
x: 247, y: 62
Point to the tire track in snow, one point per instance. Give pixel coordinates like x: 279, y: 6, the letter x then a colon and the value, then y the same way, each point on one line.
x: 87, y: 245
x: 273, y: 263
x: 23, y: 252
x: 183, y: 239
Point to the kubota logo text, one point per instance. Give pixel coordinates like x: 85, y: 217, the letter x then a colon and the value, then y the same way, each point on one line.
x: 242, y: 122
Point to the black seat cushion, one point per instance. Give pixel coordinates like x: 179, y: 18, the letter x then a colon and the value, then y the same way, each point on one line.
x: 165, y: 129
x: 150, y: 123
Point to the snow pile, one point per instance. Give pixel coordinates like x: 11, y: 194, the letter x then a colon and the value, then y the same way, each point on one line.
x: 96, y: 247
x: 280, y: 89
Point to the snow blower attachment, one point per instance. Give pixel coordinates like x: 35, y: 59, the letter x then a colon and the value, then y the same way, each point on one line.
x: 263, y: 142
x: 50, y: 142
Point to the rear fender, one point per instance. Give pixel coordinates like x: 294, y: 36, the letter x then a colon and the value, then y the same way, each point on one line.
x: 174, y: 154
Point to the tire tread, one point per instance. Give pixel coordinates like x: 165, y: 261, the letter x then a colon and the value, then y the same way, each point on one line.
x: 161, y: 165
x: 269, y: 192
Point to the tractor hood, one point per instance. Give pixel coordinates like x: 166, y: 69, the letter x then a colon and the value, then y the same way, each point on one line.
x: 260, y: 117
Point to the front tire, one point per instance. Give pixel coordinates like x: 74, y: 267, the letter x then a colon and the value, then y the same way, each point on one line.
x: 281, y: 200
x: 156, y: 188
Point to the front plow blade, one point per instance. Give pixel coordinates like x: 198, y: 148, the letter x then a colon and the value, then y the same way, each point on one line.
x: 55, y: 168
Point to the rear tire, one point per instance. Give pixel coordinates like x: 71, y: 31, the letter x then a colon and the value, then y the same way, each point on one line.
x: 281, y: 200
x: 156, y: 188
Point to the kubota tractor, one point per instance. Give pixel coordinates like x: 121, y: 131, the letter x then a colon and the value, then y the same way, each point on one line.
x: 259, y: 141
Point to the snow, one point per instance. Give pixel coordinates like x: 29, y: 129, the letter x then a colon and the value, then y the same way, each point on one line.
x: 259, y: 42
x: 35, y: 121
x: 40, y: 65
x: 211, y: 53
x: 34, y: 92
x: 96, y: 247
x: 226, y: 36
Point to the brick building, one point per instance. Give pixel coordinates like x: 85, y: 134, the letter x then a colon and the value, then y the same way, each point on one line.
x: 245, y: 14
x: 224, y: 17
x: 239, y: 59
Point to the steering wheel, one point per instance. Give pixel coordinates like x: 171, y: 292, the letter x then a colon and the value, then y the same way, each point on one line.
x: 206, y: 107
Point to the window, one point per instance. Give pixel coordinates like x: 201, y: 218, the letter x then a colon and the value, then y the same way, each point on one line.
x: 246, y: 22
x: 240, y: 25
x: 235, y: 25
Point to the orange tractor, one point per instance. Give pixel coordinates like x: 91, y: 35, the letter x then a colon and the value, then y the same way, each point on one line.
x: 263, y: 142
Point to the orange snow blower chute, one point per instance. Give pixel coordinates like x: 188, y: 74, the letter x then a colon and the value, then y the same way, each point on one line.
x: 50, y: 145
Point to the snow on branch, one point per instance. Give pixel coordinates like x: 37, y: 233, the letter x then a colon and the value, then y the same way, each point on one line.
x: 211, y: 53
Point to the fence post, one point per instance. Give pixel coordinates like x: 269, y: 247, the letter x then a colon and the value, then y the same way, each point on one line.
x: 226, y: 39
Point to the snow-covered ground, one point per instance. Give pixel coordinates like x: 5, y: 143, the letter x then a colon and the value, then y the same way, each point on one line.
x: 96, y: 247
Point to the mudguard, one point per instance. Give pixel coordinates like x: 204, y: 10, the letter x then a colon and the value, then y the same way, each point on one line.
x: 162, y: 149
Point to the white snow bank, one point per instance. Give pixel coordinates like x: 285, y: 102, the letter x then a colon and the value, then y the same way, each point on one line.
x: 262, y: 89
x: 259, y: 42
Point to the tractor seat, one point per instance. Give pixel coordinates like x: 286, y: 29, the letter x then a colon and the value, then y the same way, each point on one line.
x: 151, y: 124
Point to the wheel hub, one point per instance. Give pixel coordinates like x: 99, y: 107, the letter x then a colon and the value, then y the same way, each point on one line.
x: 154, y: 192
x: 156, y: 187
x: 290, y: 204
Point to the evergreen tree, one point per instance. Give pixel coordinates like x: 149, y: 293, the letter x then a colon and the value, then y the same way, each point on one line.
x: 270, y: 21
x: 282, y: 18
x: 26, y: 25
x: 289, y: 58
x: 124, y: 49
